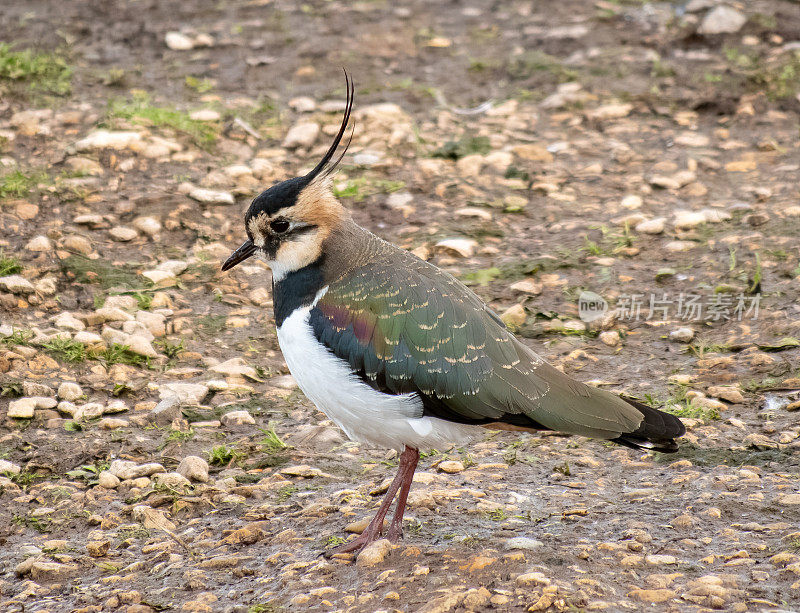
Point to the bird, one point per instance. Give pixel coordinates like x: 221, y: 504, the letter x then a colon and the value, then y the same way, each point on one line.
x: 399, y: 353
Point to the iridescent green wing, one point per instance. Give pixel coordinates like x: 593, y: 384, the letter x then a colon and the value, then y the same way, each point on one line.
x: 412, y: 328
x: 407, y: 326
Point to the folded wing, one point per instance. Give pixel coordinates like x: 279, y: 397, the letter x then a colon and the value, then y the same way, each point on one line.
x: 406, y: 326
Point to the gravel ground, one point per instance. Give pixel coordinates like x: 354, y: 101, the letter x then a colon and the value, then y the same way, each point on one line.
x: 155, y: 454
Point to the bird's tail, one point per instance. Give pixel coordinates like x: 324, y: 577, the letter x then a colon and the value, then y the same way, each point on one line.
x: 656, y: 432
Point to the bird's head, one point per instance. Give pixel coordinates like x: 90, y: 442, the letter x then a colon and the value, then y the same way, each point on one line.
x: 287, y: 224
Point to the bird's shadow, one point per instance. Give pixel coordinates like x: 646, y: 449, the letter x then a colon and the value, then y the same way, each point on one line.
x: 713, y: 456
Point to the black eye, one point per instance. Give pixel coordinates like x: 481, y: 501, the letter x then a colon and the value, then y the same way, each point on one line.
x: 279, y: 225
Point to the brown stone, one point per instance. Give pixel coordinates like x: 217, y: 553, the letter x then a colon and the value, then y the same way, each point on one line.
x: 659, y: 595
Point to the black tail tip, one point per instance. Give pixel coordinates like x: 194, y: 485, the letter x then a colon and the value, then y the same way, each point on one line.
x: 664, y: 446
x: 657, y: 432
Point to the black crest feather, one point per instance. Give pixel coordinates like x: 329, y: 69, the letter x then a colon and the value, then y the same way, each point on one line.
x: 323, y: 163
x: 285, y: 193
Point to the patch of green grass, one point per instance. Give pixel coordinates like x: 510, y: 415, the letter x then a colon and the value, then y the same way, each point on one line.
x: 702, y: 347
x: 222, y: 455
x: 211, y: 325
x: 286, y: 492
x: 512, y: 172
x: 265, y: 607
x: 170, y: 349
x: 686, y: 408
x: 479, y: 230
x: 24, y: 478
x: 764, y: 21
x: 113, y: 77
x: 778, y: 254
x: 466, y: 145
x: 107, y: 567
x: 11, y: 389
x: 387, y: 186
x: 17, y: 184
x: 512, y: 271
x: 650, y: 400
x: 661, y: 69
x: 84, y: 270
x: 142, y: 111
x: 120, y: 354
x: 680, y: 405
x: 510, y: 453
x: 780, y: 78
x: 497, y: 514
x: 334, y: 541
x: 360, y: 188
x: 71, y: 191
x: 248, y: 478
x: 66, y: 349
x: 18, y: 337
x: 563, y: 469
x: 9, y: 265
x: 731, y: 258
x: 143, y: 300
x: 739, y: 58
x: 271, y: 441
x: 352, y: 189
x: 527, y: 64
x: 177, y: 436
x: 480, y: 64
x: 201, y: 86
x: 760, y: 385
x: 40, y: 524
x: 591, y: 247
x: 481, y: 277
x: 611, y: 242
x: 88, y: 473
x: 42, y: 72
x: 605, y: 14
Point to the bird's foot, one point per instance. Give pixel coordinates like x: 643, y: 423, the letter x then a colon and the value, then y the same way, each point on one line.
x: 356, y: 545
x: 394, y: 534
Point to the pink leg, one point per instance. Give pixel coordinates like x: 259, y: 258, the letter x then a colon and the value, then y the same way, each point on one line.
x: 396, y: 529
x: 405, y: 473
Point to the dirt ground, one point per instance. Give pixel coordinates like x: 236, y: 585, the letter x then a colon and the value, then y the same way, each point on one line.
x: 155, y: 455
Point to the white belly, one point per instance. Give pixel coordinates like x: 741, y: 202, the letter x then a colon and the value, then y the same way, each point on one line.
x: 364, y: 413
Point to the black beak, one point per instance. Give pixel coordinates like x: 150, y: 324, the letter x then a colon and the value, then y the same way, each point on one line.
x: 240, y: 255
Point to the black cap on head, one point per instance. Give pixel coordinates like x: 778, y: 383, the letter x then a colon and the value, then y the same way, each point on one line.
x: 284, y: 194
x: 279, y: 196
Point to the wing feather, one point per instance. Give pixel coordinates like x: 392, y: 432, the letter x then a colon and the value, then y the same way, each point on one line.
x: 406, y: 326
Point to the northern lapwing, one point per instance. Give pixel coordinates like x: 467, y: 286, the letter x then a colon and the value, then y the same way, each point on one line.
x: 402, y: 355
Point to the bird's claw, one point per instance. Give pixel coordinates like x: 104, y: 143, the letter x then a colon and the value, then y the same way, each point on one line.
x: 394, y: 534
x: 355, y: 546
